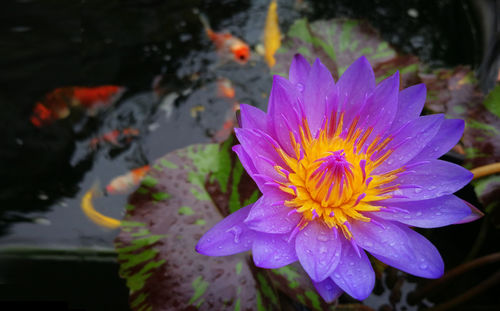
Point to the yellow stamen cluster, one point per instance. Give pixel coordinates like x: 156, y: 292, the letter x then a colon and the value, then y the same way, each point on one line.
x: 330, y: 176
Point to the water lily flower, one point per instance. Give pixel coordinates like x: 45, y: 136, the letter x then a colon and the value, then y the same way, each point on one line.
x: 344, y: 168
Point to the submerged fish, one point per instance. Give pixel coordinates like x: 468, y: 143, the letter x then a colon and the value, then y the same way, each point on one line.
x: 94, y: 98
x: 225, y: 88
x: 115, y: 137
x: 125, y: 183
x: 226, y: 44
x: 57, y: 104
x: 227, y: 127
x: 272, y: 34
x: 96, y: 217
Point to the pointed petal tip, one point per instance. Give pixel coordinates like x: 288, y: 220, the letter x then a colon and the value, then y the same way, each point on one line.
x: 362, y: 58
x: 299, y: 57
x: 201, y: 248
x: 474, y: 215
x: 328, y: 290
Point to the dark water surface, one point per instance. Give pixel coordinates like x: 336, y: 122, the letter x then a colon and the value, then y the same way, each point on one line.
x: 49, y: 44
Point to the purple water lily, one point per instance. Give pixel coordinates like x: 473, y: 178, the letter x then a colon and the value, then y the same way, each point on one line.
x: 344, y: 168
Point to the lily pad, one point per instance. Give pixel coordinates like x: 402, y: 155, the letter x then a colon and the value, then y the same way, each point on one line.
x: 338, y: 43
x: 293, y: 281
x: 165, y: 218
x: 456, y: 93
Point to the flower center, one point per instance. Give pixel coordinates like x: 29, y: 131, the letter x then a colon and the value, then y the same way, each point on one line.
x: 330, y: 176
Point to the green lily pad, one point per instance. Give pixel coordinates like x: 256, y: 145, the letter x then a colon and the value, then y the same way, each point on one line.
x: 456, y: 93
x: 338, y: 43
x: 156, y: 244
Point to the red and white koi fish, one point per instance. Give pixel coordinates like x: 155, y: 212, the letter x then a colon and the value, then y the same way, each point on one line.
x: 227, y: 127
x: 123, y: 184
x: 226, y: 44
x: 57, y: 104
x: 225, y: 88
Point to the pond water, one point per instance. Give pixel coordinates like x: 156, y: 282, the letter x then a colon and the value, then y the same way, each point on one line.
x: 159, y: 52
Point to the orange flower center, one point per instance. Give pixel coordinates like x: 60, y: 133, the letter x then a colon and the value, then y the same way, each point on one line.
x: 331, y: 177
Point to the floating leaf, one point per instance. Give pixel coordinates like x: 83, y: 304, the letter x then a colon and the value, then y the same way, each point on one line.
x: 156, y: 245
x: 293, y: 281
x: 338, y: 43
x: 456, y: 93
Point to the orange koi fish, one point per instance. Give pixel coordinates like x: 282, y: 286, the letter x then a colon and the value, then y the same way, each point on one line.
x: 227, y: 44
x: 42, y: 115
x: 225, y: 88
x: 115, y: 137
x: 125, y: 183
x: 96, y: 217
x: 93, y: 98
x: 57, y: 104
x: 227, y: 127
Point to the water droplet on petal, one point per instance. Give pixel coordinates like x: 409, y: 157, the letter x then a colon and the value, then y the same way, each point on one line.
x: 322, y: 238
x: 423, y: 266
x: 237, y: 232
x: 323, y: 249
x: 418, y: 190
x: 300, y: 87
x: 431, y: 188
x: 419, y: 214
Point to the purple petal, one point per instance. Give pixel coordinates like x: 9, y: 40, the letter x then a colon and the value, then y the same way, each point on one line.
x: 354, y: 273
x: 261, y: 151
x: 354, y: 86
x: 332, y: 101
x: 273, y: 250
x: 247, y: 163
x: 229, y: 236
x: 425, y: 259
x: 409, y: 141
x: 448, y: 136
x: 437, y: 212
x: 410, y: 103
x: 299, y: 70
x: 253, y: 118
x: 380, y: 108
x: 268, y: 217
x: 382, y: 238
x: 284, y: 111
x: 328, y: 290
x: 430, y: 180
x: 245, y: 160
x: 319, y: 83
x: 474, y: 215
x: 318, y: 250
